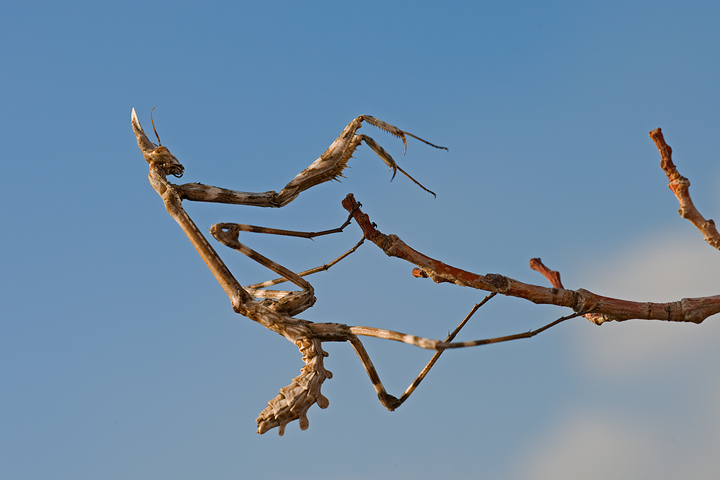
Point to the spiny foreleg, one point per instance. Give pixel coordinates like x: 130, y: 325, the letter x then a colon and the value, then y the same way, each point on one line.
x: 390, y: 162
x: 328, y: 167
x: 331, y: 164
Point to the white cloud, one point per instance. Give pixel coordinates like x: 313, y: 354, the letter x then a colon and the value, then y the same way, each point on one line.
x: 589, y: 446
x: 661, y: 268
x: 592, y: 444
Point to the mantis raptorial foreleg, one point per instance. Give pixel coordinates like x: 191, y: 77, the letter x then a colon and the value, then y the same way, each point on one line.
x: 331, y: 163
x: 328, y: 167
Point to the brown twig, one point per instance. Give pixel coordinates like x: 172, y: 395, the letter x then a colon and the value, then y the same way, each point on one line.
x: 553, y: 276
x: 582, y: 301
x: 681, y: 188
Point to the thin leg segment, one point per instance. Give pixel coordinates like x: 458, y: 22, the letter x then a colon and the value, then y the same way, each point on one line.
x: 431, y: 344
x: 292, y: 303
x: 390, y: 402
x: 255, y: 289
x: 436, y: 357
x: 293, y: 233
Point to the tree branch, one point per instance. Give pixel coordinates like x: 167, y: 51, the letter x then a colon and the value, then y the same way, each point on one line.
x: 681, y: 188
x: 582, y: 301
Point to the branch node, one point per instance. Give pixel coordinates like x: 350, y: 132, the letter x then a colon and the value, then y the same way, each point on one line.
x: 500, y: 282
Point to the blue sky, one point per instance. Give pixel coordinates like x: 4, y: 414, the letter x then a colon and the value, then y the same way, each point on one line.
x: 120, y: 356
